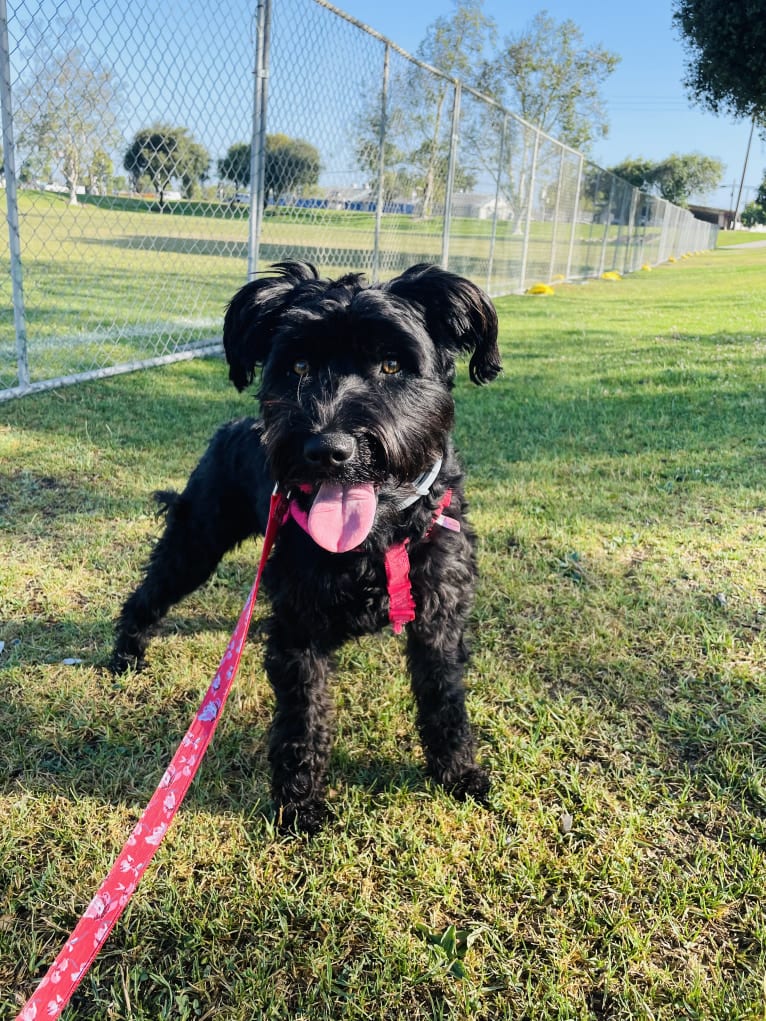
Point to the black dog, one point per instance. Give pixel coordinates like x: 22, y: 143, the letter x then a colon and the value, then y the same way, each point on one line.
x: 356, y: 421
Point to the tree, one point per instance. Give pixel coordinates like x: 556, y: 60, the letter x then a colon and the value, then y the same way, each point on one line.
x: 678, y: 177
x: 637, y: 172
x: 399, y: 180
x: 726, y: 43
x: 235, y: 166
x: 99, y: 173
x: 455, y: 46
x: 552, y: 79
x: 290, y: 164
x: 755, y: 212
x: 194, y: 170
x: 163, y: 154
x: 419, y: 107
x: 675, y: 178
x: 66, y: 114
x: 434, y: 167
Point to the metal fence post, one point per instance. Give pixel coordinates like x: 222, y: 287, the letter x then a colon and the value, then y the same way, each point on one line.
x: 662, y: 251
x: 528, y: 218
x: 631, y: 262
x: 498, y: 188
x: 642, y: 228
x: 450, y: 183
x: 12, y: 203
x: 607, y: 225
x: 556, y: 211
x: 380, y: 191
x: 575, y: 217
x: 619, y: 241
x: 258, y: 136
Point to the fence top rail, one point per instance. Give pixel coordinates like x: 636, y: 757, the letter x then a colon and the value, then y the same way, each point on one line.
x: 443, y: 74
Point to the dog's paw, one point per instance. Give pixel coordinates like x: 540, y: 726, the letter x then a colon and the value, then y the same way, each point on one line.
x: 474, y: 783
x: 305, y: 817
x: 121, y: 662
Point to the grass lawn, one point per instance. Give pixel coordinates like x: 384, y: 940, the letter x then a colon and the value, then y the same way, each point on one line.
x: 618, y: 687
x: 109, y: 284
x: 739, y: 237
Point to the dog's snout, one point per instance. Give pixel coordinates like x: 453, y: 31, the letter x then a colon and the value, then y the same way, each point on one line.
x: 329, y: 450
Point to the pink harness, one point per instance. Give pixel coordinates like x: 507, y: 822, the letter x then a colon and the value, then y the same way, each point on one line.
x: 401, y: 605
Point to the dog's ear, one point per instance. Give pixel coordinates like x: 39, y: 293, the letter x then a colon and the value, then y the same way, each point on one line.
x: 253, y: 314
x: 459, y: 315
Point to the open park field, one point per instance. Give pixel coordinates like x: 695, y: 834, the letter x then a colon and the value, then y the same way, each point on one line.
x: 618, y: 686
x: 115, y: 280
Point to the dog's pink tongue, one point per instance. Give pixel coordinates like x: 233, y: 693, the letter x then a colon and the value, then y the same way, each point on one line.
x: 341, y: 516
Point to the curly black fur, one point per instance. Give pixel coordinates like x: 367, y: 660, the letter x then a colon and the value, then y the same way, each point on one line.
x: 355, y: 387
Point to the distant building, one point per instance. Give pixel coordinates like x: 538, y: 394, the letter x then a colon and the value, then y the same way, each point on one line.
x: 480, y: 207
x: 723, y: 218
x: 341, y: 198
x: 364, y: 200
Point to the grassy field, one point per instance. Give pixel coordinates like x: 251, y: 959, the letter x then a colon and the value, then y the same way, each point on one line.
x: 618, y: 687
x: 726, y: 238
x: 108, y: 285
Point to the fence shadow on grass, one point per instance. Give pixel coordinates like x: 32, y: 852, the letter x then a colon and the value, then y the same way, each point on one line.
x: 174, y: 245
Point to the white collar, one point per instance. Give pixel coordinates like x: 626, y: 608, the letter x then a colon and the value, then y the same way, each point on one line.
x: 421, y: 485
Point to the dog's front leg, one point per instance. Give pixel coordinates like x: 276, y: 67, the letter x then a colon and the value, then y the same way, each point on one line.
x: 300, y: 739
x: 437, y: 656
x: 215, y: 512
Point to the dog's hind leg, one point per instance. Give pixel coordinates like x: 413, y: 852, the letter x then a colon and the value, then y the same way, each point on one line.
x: 300, y: 738
x: 437, y: 660
x: 212, y: 515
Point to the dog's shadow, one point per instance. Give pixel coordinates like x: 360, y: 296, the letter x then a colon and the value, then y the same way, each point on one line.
x: 115, y: 746
x: 376, y: 774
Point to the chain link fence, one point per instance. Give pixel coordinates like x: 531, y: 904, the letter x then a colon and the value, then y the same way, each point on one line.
x: 157, y: 154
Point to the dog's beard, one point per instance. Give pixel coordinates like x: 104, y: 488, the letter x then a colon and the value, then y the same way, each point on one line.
x: 395, y: 438
x: 395, y: 441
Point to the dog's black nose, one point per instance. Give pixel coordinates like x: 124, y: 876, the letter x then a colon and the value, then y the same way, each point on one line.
x: 328, y: 450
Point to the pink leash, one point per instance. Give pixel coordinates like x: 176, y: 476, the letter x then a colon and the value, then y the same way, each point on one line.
x: 78, y: 953
x: 67, y: 971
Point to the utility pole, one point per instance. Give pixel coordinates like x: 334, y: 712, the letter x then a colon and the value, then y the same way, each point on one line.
x: 744, y: 171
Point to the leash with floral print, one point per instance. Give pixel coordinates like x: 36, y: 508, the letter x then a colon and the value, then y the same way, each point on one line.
x: 80, y: 950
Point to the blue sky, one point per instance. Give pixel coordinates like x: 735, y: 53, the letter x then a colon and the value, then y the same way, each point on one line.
x: 168, y: 68
x: 649, y: 112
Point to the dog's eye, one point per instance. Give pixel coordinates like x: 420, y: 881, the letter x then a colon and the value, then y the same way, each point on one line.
x: 391, y: 366
x: 301, y: 367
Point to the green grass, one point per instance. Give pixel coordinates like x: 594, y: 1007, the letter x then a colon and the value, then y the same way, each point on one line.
x: 113, y: 281
x: 739, y: 237
x: 618, y: 689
